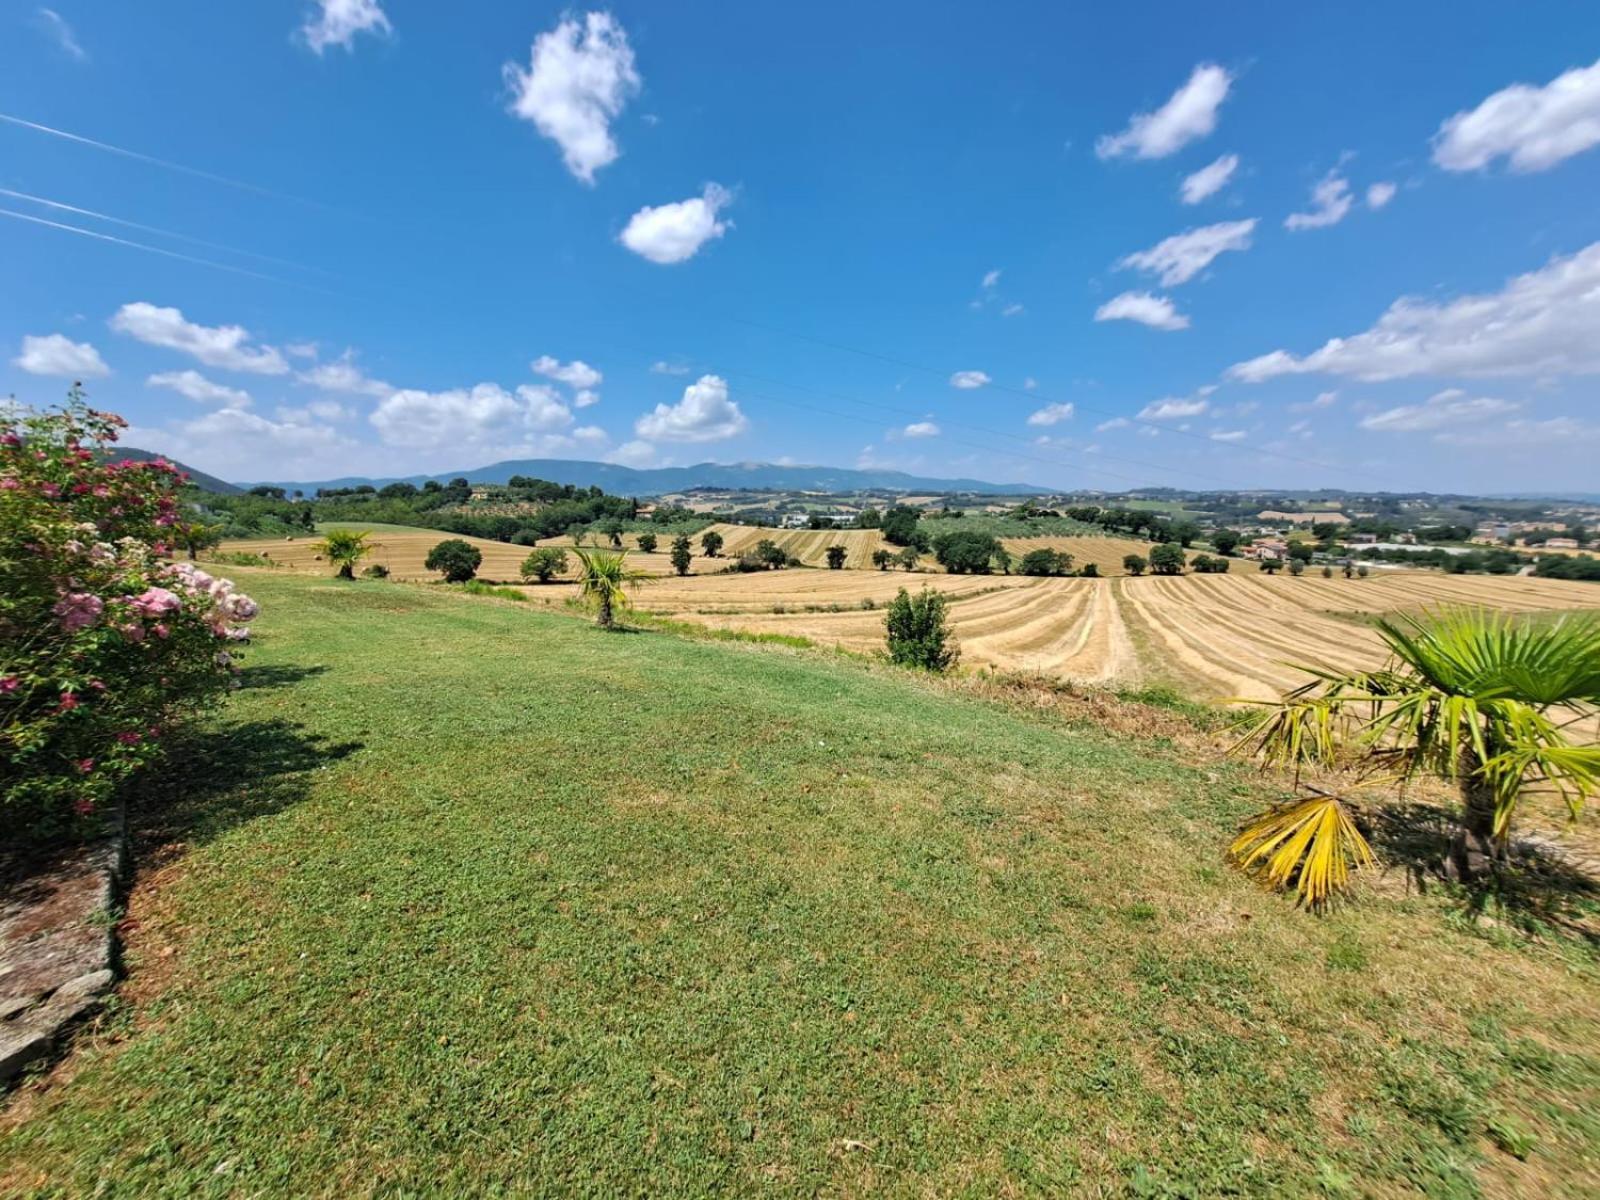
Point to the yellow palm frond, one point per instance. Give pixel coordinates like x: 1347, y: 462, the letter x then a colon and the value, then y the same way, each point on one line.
x: 1312, y: 844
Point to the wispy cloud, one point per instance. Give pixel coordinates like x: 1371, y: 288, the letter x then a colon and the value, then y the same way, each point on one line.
x: 55, y: 25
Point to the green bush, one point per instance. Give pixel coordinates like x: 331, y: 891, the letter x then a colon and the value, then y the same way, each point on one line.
x: 881, y: 559
x: 456, y: 560
x: 1046, y: 561
x: 376, y: 571
x: 1134, y: 564
x: 680, y: 554
x: 544, y: 563
x: 647, y: 543
x: 918, y: 631
x: 836, y: 556
x: 1090, y: 571
x: 711, y: 544
x: 1166, y: 559
x: 969, y: 552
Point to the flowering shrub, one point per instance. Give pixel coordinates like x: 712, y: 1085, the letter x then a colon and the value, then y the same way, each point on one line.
x: 103, y: 642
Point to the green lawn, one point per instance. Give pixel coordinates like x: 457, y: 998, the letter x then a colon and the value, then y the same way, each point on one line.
x: 477, y: 900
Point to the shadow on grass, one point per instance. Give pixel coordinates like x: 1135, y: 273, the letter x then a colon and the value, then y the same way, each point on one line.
x: 286, y: 675
x: 224, y: 775
x: 1539, y: 890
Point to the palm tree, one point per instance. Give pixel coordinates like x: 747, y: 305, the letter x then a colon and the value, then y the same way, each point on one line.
x: 1485, y: 700
x: 345, y: 547
x: 603, y: 582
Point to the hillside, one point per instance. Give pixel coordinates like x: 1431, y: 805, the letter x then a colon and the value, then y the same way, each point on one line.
x: 206, y: 483
x: 459, y: 898
x: 634, y: 481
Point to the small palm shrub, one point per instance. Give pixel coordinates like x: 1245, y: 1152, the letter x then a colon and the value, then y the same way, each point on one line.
x: 344, y: 548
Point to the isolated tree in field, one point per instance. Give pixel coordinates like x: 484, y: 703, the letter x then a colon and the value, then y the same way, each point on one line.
x: 772, y: 554
x: 604, y: 580
x: 1362, y: 571
x: 1349, y: 570
x: 836, y: 556
x: 1090, y: 571
x: 908, y: 558
x: 968, y: 552
x: 680, y: 554
x: 1166, y: 559
x: 1045, y: 561
x: 1296, y: 567
x: 344, y: 548
x: 456, y: 560
x: 647, y: 543
x: 1481, y: 699
x: 544, y: 563
x: 1327, y: 572
x: 1134, y: 564
x: 881, y: 558
x: 711, y: 544
x: 918, y: 631
x: 1224, y: 541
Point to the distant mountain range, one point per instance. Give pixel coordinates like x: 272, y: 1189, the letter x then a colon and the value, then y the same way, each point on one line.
x: 633, y: 481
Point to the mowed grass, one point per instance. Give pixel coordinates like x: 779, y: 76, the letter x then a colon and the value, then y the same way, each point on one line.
x: 474, y: 899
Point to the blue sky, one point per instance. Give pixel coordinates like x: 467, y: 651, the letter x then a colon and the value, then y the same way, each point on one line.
x: 1081, y: 245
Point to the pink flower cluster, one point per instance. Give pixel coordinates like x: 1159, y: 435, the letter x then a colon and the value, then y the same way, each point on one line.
x: 228, y: 607
x: 78, y: 610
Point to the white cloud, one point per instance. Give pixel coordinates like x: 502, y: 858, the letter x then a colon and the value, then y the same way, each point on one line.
x: 235, y: 443
x: 58, y: 355
x: 584, y: 397
x: 1208, y: 180
x: 1182, y: 256
x: 578, y: 80
x: 1172, y: 408
x: 1533, y: 128
x: 1030, y: 383
x: 1321, y: 400
x: 991, y: 280
x: 921, y: 429
x: 1380, y: 194
x: 484, y: 417
x: 1230, y: 435
x: 306, y: 350
x: 1051, y: 414
x: 225, y: 346
x: 1113, y: 423
x: 200, y: 389
x: 1155, y: 311
x: 969, y: 380
x: 575, y: 374
x: 1554, y: 433
x: 342, y: 375
x: 633, y: 454
x: 1449, y: 407
x: 54, y: 24
x: 705, y: 414
x: 1012, y: 310
x: 672, y: 233
x: 1541, y: 324
x: 668, y: 368
x: 1190, y: 113
x: 337, y: 22
x: 1330, y: 204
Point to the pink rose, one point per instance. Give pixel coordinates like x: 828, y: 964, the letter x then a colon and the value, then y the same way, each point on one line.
x: 156, y: 602
x: 83, y: 807
x: 78, y: 610
x: 9, y: 684
x: 68, y: 702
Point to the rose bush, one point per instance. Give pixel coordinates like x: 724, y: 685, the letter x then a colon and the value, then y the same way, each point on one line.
x: 103, y: 641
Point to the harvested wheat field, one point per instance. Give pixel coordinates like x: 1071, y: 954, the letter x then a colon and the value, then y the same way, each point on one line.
x: 1106, y: 553
x: 1210, y: 635
x: 405, y: 552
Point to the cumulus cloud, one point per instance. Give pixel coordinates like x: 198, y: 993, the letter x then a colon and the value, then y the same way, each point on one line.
x: 578, y: 80
x: 1208, y: 180
x: 705, y: 414
x: 1172, y: 408
x: 1051, y: 414
x: 1449, y: 407
x: 1190, y: 113
x: 1380, y: 194
x: 920, y: 429
x: 1155, y: 311
x: 342, y: 375
x: 236, y: 443
x: 1541, y: 324
x: 1113, y: 423
x: 1229, y: 435
x: 1532, y: 128
x: 575, y: 374
x: 668, y: 368
x: 225, y: 346
x: 486, y: 416
x: 58, y: 355
x: 673, y: 233
x: 1182, y: 256
x: 337, y: 22
x: 1553, y: 433
x: 633, y: 454
x: 1330, y: 204
x: 969, y: 380
x: 198, y: 388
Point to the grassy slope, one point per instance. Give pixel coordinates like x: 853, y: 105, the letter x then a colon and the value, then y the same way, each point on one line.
x: 480, y: 897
